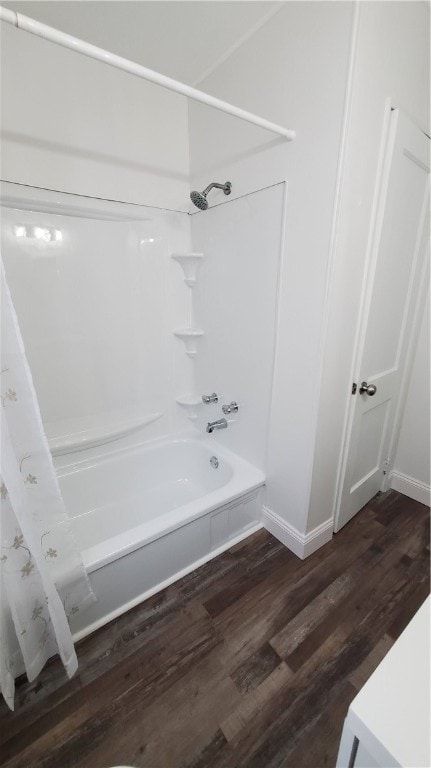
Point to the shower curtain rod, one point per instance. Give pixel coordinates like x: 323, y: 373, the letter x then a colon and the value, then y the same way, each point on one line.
x: 75, y: 44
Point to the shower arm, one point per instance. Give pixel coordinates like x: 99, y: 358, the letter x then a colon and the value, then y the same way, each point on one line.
x: 214, y: 185
x: 74, y: 43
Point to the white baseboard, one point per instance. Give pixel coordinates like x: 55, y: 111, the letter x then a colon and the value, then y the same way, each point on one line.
x: 411, y: 487
x: 301, y: 544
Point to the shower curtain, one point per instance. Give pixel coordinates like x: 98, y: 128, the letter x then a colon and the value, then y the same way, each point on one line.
x: 43, y: 581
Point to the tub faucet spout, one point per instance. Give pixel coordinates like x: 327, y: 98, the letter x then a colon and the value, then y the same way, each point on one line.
x: 220, y: 424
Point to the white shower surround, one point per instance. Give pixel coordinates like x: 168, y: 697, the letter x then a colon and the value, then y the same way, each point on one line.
x: 153, y: 512
x: 97, y: 310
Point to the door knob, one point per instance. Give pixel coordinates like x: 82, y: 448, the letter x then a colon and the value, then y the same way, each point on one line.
x: 367, y: 389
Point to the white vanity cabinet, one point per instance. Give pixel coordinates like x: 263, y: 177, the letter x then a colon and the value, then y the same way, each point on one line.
x: 388, y: 723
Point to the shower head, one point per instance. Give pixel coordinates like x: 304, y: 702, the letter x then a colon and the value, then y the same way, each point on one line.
x: 199, y: 199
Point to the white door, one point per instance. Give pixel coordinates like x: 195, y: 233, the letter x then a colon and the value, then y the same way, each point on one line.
x: 387, y: 316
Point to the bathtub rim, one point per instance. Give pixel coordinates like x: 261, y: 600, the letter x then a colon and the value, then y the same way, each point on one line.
x: 123, y: 544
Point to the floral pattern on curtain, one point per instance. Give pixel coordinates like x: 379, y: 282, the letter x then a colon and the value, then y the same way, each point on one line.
x: 43, y: 580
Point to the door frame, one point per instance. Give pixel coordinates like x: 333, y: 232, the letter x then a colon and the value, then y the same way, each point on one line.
x: 390, y: 123
x: 423, y: 285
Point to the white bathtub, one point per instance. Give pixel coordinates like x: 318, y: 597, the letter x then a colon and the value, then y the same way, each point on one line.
x: 146, y: 515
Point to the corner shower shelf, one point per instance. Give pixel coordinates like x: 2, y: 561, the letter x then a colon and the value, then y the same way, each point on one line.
x: 191, y: 403
x: 190, y: 337
x: 190, y: 263
x: 79, y: 441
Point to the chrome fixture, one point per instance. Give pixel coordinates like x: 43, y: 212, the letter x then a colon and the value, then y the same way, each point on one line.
x: 199, y: 199
x: 231, y: 408
x: 214, y: 462
x: 210, y: 398
x: 220, y: 424
x: 367, y: 389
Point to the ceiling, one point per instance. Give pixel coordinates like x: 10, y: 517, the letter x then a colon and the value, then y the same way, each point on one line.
x: 184, y: 39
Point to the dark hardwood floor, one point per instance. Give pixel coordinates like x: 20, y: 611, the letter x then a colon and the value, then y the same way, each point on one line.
x: 252, y: 660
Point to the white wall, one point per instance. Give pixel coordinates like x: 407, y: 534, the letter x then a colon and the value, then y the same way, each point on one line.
x: 235, y: 303
x: 411, y: 472
x: 391, y: 62
x: 76, y: 125
x: 292, y: 71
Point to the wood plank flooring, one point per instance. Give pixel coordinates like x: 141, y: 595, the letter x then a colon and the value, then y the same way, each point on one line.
x: 252, y: 660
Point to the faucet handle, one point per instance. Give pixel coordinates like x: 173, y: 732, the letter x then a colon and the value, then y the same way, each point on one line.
x: 231, y: 408
x: 210, y: 398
